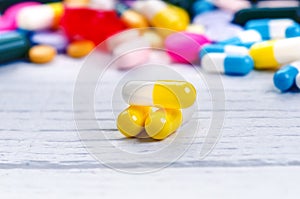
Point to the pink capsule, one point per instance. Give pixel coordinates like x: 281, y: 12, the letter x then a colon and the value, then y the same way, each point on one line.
x: 184, y: 47
x: 8, y: 20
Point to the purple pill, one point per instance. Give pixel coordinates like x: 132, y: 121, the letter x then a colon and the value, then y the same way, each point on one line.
x: 55, y: 39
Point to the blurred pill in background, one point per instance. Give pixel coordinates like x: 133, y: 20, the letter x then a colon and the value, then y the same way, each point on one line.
x: 154, y: 38
x: 183, y: 47
x: 216, y: 22
x: 232, y: 5
x: 132, y: 53
x: 78, y: 49
x: 185, y: 4
x: 271, y: 28
x: 8, y: 19
x: 6, y: 24
x: 238, y: 65
x: 6, y: 4
x: 131, y: 18
x: 13, y: 46
x: 102, y: 4
x: 196, y: 28
x: 121, y: 37
x: 52, y: 38
x: 77, y: 3
x: 89, y: 24
x: 293, y: 31
x: 228, y: 49
x: 246, y: 36
x: 40, y: 17
x: 41, y: 54
x: 202, y: 6
x: 163, y: 15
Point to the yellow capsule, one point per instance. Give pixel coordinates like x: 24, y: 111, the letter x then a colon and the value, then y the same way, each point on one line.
x: 171, y: 17
x: 164, y: 93
x: 272, y: 54
x: 131, y: 121
x: 163, y: 122
x: 263, y: 55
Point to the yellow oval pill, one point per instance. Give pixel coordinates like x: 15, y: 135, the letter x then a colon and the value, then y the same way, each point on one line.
x: 131, y: 121
x: 78, y: 49
x: 41, y: 54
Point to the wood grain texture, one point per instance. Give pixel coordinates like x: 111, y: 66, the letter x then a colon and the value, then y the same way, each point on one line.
x: 38, y: 137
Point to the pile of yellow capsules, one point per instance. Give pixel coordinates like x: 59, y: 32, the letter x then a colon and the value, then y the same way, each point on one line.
x: 156, y: 108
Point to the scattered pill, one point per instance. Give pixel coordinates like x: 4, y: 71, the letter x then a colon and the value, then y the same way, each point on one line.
x: 163, y: 15
x: 54, y: 39
x: 131, y: 121
x: 270, y: 28
x: 13, y: 46
x: 183, y: 47
x: 102, y: 4
x: 272, y: 54
x: 6, y: 24
x: 40, y: 17
x: 78, y: 49
x: 293, y: 31
x: 41, y: 54
x: 121, y: 37
x: 154, y: 38
x: 201, y: 6
x: 131, y: 18
x: 228, y: 49
x: 77, y: 3
x: 90, y: 24
x: 243, y: 37
x: 132, y: 53
x: 166, y: 94
x: 284, y: 78
x: 227, y: 64
x: 195, y: 28
x: 8, y: 19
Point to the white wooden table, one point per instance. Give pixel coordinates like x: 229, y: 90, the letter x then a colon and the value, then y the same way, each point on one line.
x: 42, y: 156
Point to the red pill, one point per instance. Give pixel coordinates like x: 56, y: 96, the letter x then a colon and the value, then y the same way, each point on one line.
x: 90, y: 24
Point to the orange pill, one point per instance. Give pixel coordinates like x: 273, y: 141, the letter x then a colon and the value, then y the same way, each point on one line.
x: 42, y: 54
x: 134, y: 19
x: 78, y: 49
x: 77, y: 3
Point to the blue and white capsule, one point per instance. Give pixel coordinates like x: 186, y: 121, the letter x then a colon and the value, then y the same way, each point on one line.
x: 284, y: 79
x: 228, y: 49
x: 271, y: 28
x: 238, y: 65
x: 293, y: 31
x: 244, y: 37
